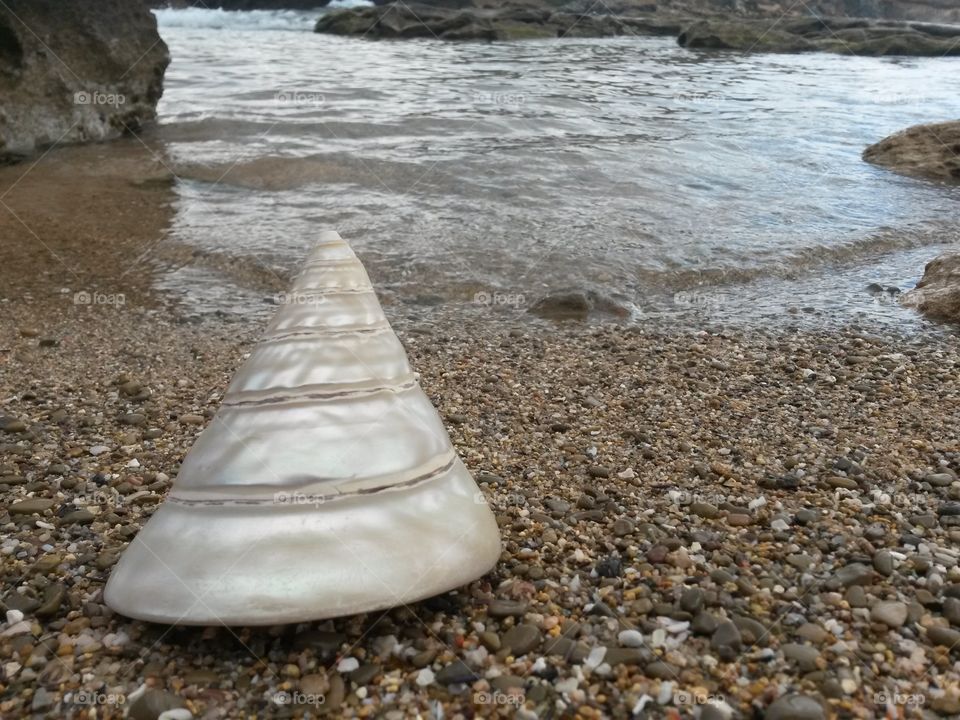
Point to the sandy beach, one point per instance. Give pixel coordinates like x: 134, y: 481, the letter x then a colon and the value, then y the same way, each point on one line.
x: 694, y: 524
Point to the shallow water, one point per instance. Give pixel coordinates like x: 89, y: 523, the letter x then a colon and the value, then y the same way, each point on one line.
x: 477, y: 177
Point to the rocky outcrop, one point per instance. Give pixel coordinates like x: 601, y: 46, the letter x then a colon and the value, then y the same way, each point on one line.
x: 511, y: 23
x: 242, y: 4
x: 937, y: 295
x: 76, y: 71
x: 925, y: 151
x: 849, y: 36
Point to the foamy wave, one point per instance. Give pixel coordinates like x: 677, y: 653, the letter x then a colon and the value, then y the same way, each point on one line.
x: 219, y: 19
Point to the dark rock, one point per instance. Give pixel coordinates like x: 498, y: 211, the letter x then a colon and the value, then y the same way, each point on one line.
x: 456, y: 672
x: 152, y: 704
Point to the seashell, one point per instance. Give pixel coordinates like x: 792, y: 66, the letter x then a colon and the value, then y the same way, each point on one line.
x: 325, y: 485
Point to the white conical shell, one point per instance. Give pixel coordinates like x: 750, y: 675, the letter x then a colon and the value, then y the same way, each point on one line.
x: 325, y: 485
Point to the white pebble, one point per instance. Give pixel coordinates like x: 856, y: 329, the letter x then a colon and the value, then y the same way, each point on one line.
x: 425, y: 677
x: 348, y: 664
x: 631, y: 638
x: 780, y: 525
x: 595, y: 657
x: 666, y: 693
x: 175, y: 714
x: 14, y: 616
x: 627, y: 474
x: 641, y: 704
x: 567, y: 686
x: 658, y: 637
x: 99, y: 450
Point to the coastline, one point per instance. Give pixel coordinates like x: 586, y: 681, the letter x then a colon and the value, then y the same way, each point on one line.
x: 800, y: 484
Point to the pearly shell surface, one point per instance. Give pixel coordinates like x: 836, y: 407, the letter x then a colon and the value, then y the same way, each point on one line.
x: 325, y: 485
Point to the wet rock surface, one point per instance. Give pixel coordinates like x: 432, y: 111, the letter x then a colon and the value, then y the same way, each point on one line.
x: 75, y: 72
x: 937, y: 295
x: 930, y: 151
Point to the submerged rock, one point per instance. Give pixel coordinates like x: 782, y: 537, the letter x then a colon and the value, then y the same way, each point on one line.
x: 938, y: 293
x: 78, y: 71
x: 930, y: 151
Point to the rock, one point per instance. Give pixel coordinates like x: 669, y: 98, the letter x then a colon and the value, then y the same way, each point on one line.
x: 152, y: 704
x: 116, y: 60
x: 626, y: 656
x: 660, y: 670
x: 704, y: 510
x: 947, y: 637
x: 849, y: 575
x: 9, y: 424
x: 609, y: 567
x: 507, y: 608
x: 704, y: 624
x: 42, y: 700
x: 53, y: 597
x: 631, y: 638
x: 691, y: 600
x: 622, y: 527
x: 803, y: 655
x: 726, y: 636
x: 925, y: 151
x: 795, y: 707
x: 856, y: 596
x: 937, y: 295
x: 717, y: 34
x: 812, y: 632
x: 456, y: 672
x: 891, y: 614
x: 77, y: 517
x: 752, y: 631
x: 521, y: 639
x: 739, y: 519
x: 951, y: 610
x: 883, y: 563
x: 564, y: 306
x: 31, y: 506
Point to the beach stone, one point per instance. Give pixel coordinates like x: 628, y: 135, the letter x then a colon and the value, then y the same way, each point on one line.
x: 557, y: 505
x: 850, y: 575
x: 30, y: 506
x: 152, y: 704
x: 856, y: 596
x: 795, y: 707
x: 625, y: 656
x: 947, y: 637
x: 726, y: 637
x: 42, y: 700
x: 77, y: 517
x: 739, y: 519
x: 804, y: 656
x: 704, y: 623
x: 598, y: 471
x: 812, y: 632
x: 507, y: 608
x: 490, y: 640
x: 940, y: 479
x: 883, y: 563
x: 521, y: 639
x: 631, y: 638
x: 622, y: 526
x: 691, y: 600
x: 456, y: 672
x: 951, y: 610
x: 12, y: 425
x: 752, y: 631
x: 891, y: 614
x: 705, y: 510
x: 53, y: 596
x: 609, y: 567
x: 364, y: 674
x: 660, y: 670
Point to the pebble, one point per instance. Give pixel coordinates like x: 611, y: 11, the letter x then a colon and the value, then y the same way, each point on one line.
x: 795, y: 707
x: 521, y: 639
x: 891, y: 614
x: 456, y: 672
x: 500, y: 608
x: 883, y: 563
x: 152, y: 703
x: 30, y: 506
x: 804, y: 656
x: 947, y: 637
x: 348, y: 665
x: 631, y: 638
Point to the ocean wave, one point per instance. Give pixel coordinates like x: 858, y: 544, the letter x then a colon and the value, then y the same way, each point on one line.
x: 251, y: 20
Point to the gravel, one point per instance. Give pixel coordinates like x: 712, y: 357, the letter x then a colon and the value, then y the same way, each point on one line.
x: 685, y: 531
